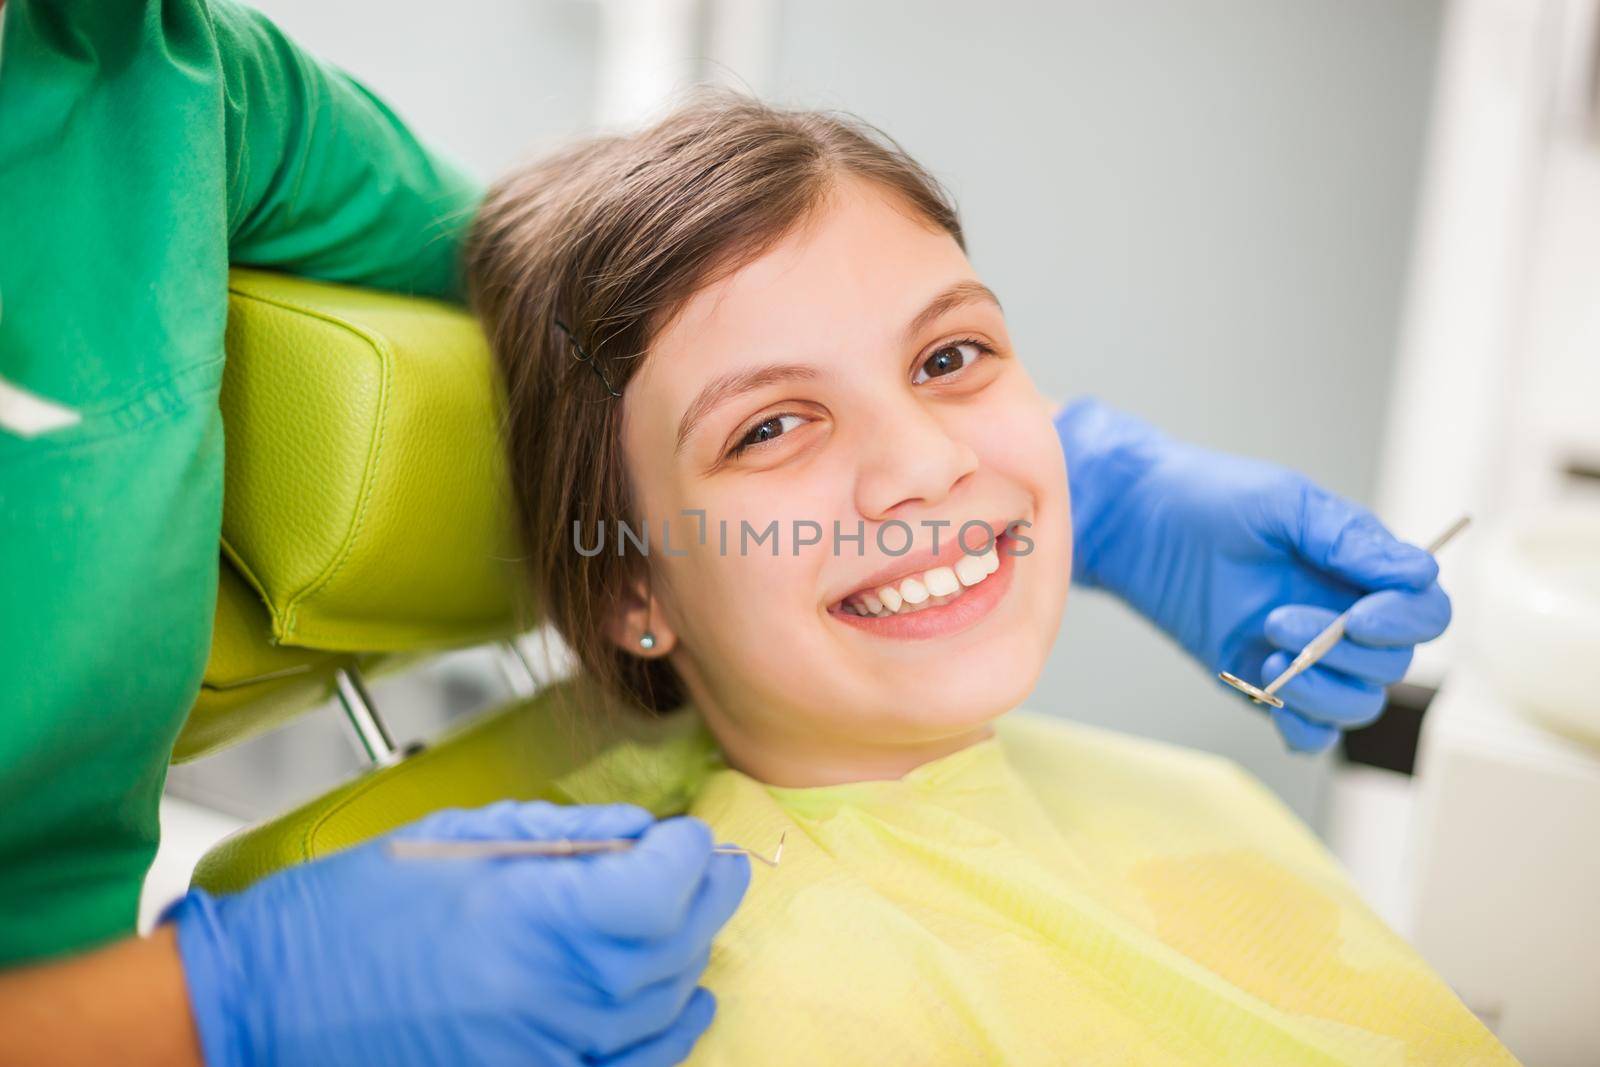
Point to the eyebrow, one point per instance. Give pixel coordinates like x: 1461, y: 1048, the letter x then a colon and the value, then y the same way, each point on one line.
x: 725, y: 387
x: 958, y: 294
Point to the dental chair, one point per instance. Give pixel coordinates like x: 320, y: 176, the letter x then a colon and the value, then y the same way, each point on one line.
x: 365, y: 525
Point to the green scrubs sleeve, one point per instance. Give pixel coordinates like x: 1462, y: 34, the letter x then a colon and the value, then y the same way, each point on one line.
x: 324, y: 180
x: 144, y: 145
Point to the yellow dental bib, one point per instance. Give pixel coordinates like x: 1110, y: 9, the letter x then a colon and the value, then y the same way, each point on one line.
x: 1058, y: 894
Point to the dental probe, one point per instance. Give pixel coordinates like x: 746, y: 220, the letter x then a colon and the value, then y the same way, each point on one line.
x: 1324, y: 641
x: 414, y: 849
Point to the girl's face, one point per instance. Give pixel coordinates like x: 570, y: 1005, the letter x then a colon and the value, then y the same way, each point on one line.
x: 858, y: 377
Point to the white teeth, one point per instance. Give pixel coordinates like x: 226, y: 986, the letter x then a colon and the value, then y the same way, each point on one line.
x: 971, y: 570
x: 916, y: 593
x: 941, y: 581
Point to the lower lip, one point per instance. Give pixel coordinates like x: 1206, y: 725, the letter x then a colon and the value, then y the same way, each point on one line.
x: 960, y: 614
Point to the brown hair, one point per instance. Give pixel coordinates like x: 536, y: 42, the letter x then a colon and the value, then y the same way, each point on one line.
x: 610, y: 238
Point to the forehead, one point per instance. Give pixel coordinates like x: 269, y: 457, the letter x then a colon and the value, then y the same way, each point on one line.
x: 850, y: 277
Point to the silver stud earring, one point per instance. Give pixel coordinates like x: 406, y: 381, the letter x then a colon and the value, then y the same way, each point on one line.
x: 647, y: 640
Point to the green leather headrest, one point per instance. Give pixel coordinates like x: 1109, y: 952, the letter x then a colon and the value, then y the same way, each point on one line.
x: 251, y: 685
x: 365, y: 495
x: 364, y: 507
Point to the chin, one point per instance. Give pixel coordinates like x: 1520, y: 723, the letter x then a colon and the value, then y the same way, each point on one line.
x: 964, y: 696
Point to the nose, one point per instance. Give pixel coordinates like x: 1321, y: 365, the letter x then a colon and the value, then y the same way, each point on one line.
x: 911, y: 456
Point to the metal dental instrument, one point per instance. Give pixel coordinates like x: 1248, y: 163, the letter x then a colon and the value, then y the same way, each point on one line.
x: 414, y: 849
x: 1324, y: 641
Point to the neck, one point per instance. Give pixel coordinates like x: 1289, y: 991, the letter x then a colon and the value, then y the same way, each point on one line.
x: 797, y: 762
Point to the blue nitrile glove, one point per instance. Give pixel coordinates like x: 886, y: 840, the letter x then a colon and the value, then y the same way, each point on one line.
x: 1235, y: 559
x: 362, y: 958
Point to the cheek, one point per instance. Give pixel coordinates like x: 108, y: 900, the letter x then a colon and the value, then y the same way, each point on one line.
x: 742, y: 595
x: 1017, y: 441
x: 749, y: 623
x: 1015, y: 436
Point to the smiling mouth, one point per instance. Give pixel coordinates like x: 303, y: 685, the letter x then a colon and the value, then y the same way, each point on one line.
x: 922, y: 590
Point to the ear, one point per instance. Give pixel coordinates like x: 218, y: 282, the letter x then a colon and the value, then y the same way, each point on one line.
x: 635, y: 616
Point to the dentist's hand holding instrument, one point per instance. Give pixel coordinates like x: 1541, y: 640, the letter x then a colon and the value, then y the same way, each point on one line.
x: 363, y: 958
x: 1243, y: 563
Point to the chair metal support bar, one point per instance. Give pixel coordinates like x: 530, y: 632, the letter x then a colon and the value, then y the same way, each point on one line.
x: 371, y: 734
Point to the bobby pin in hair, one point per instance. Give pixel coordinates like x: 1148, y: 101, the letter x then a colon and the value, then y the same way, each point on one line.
x: 585, y: 357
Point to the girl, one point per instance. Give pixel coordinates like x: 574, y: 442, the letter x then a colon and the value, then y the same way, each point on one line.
x: 755, y: 335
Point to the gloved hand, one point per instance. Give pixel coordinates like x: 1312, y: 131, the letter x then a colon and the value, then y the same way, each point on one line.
x: 1236, y: 559
x: 363, y: 959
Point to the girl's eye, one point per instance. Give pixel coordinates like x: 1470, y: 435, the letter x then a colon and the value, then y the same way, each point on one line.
x: 768, y: 428
x: 951, y: 357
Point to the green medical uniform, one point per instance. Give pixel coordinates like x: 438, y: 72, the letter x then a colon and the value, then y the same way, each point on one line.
x: 144, y: 146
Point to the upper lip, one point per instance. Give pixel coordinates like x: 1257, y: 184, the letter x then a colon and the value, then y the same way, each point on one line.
x: 920, y: 559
